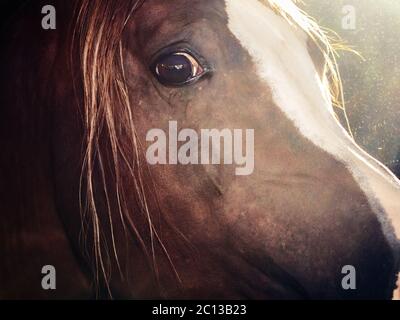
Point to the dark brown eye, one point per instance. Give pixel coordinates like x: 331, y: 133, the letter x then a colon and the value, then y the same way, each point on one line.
x: 177, y: 69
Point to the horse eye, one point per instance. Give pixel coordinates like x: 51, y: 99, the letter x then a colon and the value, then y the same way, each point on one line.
x: 177, y: 69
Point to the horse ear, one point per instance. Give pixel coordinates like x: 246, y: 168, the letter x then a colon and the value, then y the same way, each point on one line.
x: 317, y: 56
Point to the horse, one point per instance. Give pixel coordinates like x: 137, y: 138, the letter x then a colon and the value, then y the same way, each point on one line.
x: 78, y: 194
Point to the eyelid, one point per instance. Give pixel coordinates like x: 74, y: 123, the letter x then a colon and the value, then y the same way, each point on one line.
x: 183, y: 48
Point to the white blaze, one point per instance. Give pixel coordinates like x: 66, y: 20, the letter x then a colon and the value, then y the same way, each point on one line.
x: 281, y: 54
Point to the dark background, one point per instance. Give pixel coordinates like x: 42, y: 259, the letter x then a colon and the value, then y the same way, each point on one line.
x: 8, y: 8
x: 371, y: 85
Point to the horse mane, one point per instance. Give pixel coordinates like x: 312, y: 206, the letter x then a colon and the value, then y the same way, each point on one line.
x: 97, y: 39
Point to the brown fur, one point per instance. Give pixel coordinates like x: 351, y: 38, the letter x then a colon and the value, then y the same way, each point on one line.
x: 173, y: 232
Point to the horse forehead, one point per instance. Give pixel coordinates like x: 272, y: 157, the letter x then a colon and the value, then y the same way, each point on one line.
x: 157, y: 12
x: 280, y: 53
